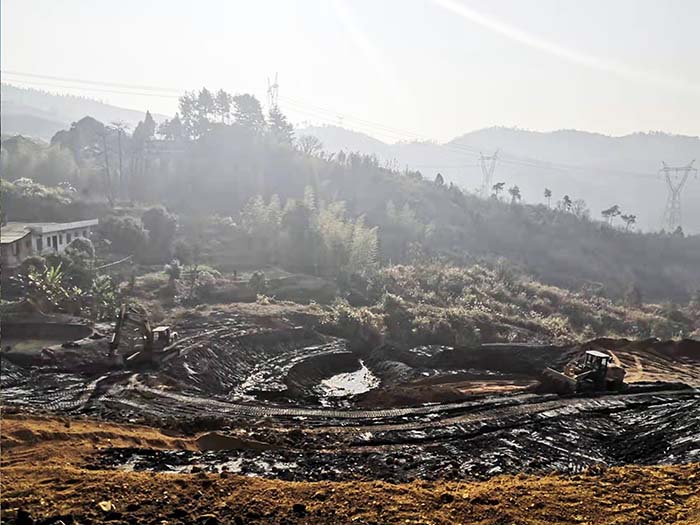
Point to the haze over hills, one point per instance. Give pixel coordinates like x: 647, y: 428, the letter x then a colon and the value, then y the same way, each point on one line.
x: 40, y: 114
x: 600, y: 169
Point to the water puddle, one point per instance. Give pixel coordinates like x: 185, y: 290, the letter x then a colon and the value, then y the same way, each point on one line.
x: 349, y: 383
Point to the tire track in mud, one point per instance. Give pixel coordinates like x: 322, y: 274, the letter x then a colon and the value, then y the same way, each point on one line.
x: 566, y: 435
x: 496, y: 407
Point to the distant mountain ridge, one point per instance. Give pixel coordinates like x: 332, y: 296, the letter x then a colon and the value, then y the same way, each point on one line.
x: 600, y: 169
x: 38, y: 114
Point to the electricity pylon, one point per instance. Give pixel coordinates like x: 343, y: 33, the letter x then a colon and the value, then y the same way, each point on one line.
x: 488, y: 166
x: 272, y: 92
x: 676, y: 177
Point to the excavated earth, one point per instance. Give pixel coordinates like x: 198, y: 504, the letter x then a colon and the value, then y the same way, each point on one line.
x: 266, y: 397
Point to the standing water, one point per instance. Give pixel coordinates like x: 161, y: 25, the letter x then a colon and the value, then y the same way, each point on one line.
x: 349, y: 383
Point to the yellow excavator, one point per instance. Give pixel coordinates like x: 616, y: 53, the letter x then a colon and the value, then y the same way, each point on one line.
x: 135, y: 341
x: 591, y: 372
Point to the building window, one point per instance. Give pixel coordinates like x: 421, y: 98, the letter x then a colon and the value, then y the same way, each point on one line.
x: 39, y: 244
x: 54, y: 241
x: 60, y: 238
x: 85, y: 233
x: 68, y: 238
x: 28, y: 243
x: 15, y: 248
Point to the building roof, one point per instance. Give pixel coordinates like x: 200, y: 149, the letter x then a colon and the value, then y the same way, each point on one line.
x: 14, y: 231
x: 50, y: 227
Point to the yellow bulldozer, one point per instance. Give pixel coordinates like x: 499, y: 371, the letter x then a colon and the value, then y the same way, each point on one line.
x: 591, y: 372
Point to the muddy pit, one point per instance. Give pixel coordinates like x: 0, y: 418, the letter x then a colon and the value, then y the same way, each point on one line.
x: 31, y: 338
x: 301, y: 405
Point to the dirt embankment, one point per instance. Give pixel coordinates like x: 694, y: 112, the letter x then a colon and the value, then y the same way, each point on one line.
x: 43, y: 475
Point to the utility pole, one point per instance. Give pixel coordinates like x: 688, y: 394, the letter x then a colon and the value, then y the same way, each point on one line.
x: 488, y: 166
x: 272, y: 92
x: 676, y: 177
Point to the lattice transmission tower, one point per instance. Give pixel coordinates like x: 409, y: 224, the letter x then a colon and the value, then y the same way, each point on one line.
x: 676, y: 178
x: 488, y: 166
x: 273, y: 89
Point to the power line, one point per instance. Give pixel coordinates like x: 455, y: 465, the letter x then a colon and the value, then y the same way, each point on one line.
x: 94, y: 82
x: 90, y: 89
x: 322, y: 113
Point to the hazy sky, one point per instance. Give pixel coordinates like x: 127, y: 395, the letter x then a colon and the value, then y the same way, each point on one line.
x: 429, y: 68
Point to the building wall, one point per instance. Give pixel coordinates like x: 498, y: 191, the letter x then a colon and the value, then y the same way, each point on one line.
x: 37, y: 243
x: 45, y: 243
x: 14, y: 253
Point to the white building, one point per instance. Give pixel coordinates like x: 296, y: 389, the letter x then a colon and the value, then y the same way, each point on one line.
x: 19, y: 240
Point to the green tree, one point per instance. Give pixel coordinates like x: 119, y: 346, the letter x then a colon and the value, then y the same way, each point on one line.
x: 548, y: 196
x: 198, y: 111
x: 126, y: 235
x: 610, y: 213
x: 514, y: 194
x: 279, y: 129
x: 497, y: 189
x: 145, y: 129
x: 310, y: 145
x: 222, y: 104
x: 206, y: 106
x: 629, y: 220
x: 248, y: 113
x: 566, y: 203
x: 161, y: 226
x: 172, y: 129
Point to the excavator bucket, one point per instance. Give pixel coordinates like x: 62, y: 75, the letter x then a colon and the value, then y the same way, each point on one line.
x: 556, y: 382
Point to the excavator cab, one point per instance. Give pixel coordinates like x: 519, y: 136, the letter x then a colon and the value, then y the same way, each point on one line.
x: 135, y: 341
x: 163, y: 336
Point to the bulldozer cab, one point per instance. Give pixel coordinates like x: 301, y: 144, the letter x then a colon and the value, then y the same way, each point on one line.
x: 595, y: 360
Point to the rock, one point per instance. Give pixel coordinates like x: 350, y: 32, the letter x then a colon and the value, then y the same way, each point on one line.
x: 208, y: 519
x: 66, y: 519
x: 132, y: 507
x: 320, y: 495
x: 178, y: 513
x: 105, y: 506
x: 446, y: 497
x: 483, y: 500
x: 24, y: 518
x: 299, y: 509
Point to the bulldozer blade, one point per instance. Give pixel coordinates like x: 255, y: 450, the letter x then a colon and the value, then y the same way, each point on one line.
x: 556, y: 382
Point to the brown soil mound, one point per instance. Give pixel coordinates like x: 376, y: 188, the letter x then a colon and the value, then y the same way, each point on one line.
x: 44, y: 475
x: 653, y: 360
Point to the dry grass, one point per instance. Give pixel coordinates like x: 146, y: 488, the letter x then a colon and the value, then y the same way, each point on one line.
x: 43, y: 472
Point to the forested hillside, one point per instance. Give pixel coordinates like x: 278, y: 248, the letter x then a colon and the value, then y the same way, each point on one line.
x: 245, y: 192
x: 600, y: 169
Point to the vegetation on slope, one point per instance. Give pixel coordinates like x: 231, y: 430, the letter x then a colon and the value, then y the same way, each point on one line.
x: 246, y: 193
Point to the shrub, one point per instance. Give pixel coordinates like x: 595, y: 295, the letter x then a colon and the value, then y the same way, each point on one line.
x: 125, y: 234
x: 81, y: 247
x: 161, y: 226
